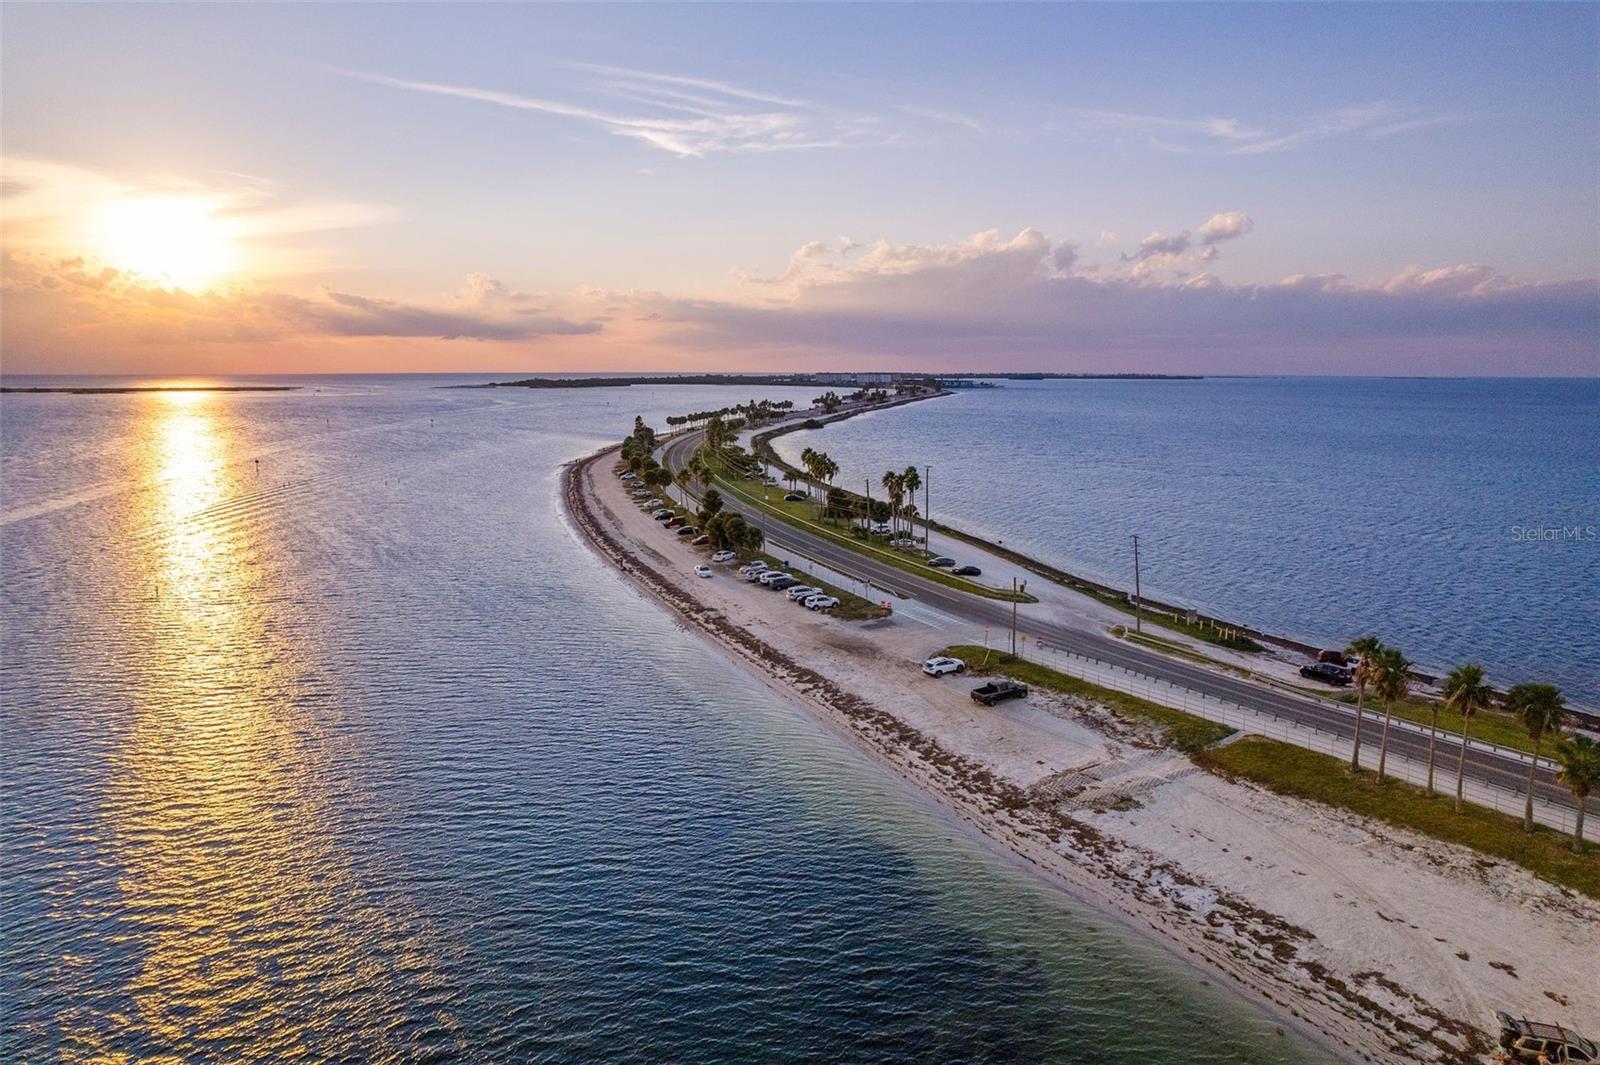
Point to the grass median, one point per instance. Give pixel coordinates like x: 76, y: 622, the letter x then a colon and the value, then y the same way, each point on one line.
x: 801, y: 515
x: 1184, y: 732
x: 1305, y: 774
x: 1491, y: 726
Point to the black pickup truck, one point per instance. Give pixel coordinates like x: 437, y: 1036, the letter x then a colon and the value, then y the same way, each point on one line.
x: 996, y: 690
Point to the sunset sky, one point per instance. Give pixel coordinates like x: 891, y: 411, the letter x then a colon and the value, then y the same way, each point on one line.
x: 1295, y: 189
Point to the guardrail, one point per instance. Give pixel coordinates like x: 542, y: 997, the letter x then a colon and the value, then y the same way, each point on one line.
x: 1509, y: 801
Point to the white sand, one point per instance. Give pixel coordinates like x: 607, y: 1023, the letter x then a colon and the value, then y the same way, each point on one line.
x: 1379, y: 942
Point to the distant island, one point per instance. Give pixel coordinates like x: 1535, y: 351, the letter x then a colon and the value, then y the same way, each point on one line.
x: 806, y: 380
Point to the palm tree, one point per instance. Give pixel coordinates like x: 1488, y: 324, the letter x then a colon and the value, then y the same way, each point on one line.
x: 913, y: 481
x: 808, y: 459
x: 1392, y: 684
x: 1580, y: 771
x: 1364, y: 649
x: 1539, y: 708
x: 895, y: 485
x: 1466, y: 694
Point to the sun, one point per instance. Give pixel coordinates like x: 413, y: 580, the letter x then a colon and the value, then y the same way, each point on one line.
x: 174, y: 240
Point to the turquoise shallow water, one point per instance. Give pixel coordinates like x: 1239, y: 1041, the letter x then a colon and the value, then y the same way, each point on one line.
x: 1458, y: 519
x: 356, y: 754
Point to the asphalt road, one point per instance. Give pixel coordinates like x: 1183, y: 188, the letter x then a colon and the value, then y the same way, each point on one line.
x: 1502, y: 771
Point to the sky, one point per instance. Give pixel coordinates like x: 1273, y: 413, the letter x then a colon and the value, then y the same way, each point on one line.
x: 1294, y: 188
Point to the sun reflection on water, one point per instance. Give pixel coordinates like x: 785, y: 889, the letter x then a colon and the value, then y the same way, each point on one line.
x: 221, y: 802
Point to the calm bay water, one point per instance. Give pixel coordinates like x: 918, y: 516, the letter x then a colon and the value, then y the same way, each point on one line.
x: 325, y: 739
x: 1314, y: 508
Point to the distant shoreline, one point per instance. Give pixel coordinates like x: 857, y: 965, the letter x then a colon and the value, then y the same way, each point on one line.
x: 111, y: 390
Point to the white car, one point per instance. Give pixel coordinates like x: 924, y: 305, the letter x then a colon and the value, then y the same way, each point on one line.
x: 723, y: 556
x: 771, y: 575
x: 627, y: 475
x: 702, y: 571
x: 939, y: 665
x: 821, y: 602
x: 802, y: 591
x: 753, y: 567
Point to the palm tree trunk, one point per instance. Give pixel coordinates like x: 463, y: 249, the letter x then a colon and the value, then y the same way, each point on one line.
x: 1433, y: 735
x: 1527, y: 811
x: 1461, y: 766
x: 1355, y: 753
x: 1577, y: 827
x: 1383, y: 743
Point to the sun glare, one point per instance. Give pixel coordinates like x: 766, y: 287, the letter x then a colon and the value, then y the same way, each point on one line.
x: 177, y: 241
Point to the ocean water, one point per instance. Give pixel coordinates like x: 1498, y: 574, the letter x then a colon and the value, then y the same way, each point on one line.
x: 323, y: 738
x: 1457, y: 519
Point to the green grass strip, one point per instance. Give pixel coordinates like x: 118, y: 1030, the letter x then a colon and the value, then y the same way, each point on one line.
x: 1304, y: 774
x: 1180, y: 730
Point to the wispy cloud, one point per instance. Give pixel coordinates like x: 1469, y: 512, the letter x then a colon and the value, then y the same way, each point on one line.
x: 687, y: 116
x: 1235, y: 136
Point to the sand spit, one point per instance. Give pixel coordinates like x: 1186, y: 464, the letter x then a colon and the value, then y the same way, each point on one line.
x: 1382, y: 945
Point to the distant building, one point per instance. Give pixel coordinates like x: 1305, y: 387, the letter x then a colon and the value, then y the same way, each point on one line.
x: 859, y: 380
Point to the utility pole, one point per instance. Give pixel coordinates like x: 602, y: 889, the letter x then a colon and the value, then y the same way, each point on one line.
x: 868, y: 522
x: 1137, y: 599
x: 927, y: 508
x: 1013, y: 617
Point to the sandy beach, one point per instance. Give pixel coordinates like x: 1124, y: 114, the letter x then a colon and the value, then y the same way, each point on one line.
x: 1380, y: 944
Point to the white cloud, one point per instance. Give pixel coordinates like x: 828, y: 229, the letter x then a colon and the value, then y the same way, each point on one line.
x: 1228, y: 225
x: 987, y: 300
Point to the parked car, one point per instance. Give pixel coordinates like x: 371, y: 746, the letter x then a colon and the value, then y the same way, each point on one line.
x: 653, y: 503
x: 753, y: 568
x: 676, y: 520
x: 781, y: 583
x: 700, y: 541
x: 904, y: 541
x: 640, y: 493
x: 794, y: 497
x: 664, y: 514
x: 1327, y: 673
x: 626, y: 475
x: 998, y: 690
x: 724, y: 556
x: 1525, y: 1040
x: 967, y: 571
x: 771, y: 575
x: 1336, y: 658
x: 688, y: 530
x: 755, y: 575
x: 802, y: 591
x: 939, y: 665
x: 880, y: 526
x: 821, y: 602
x: 941, y: 561
x: 702, y: 571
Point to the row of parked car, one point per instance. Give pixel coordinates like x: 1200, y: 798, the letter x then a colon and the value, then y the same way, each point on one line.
x: 776, y: 579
